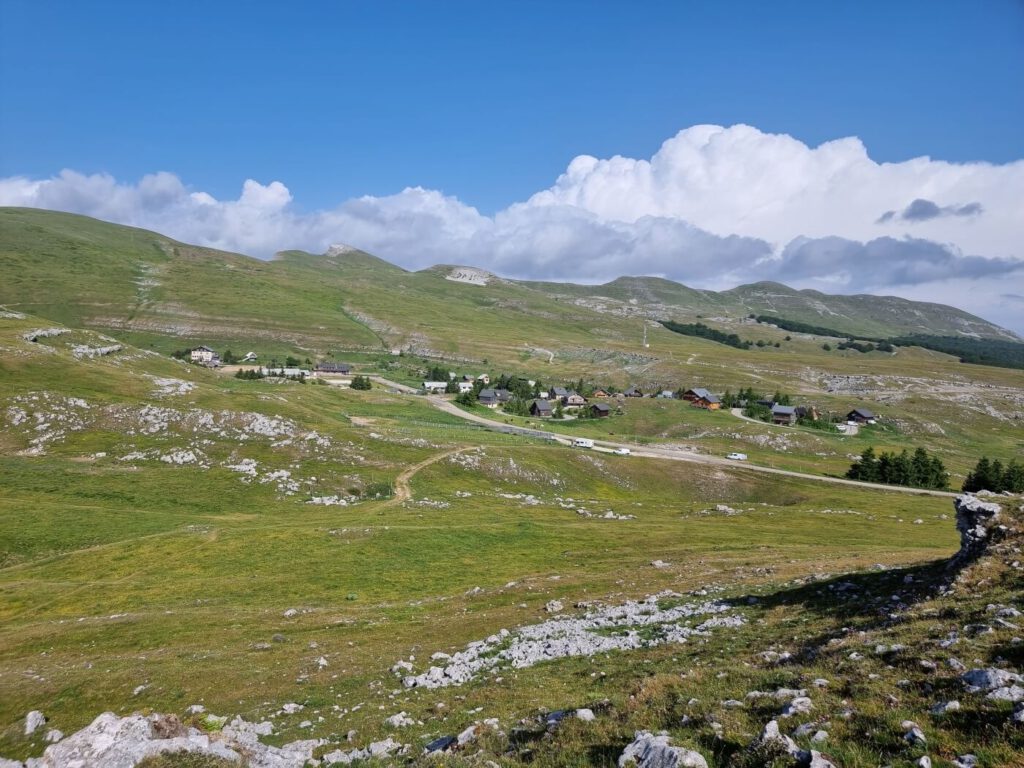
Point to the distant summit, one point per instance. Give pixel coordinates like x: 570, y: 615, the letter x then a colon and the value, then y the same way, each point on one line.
x: 341, y: 249
x: 470, y: 275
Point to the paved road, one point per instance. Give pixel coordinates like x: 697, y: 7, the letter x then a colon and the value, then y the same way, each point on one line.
x: 653, y: 452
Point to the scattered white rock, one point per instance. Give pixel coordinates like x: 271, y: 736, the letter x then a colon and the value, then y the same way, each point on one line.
x: 33, y: 721
x: 915, y: 735
x: 400, y: 720
x: 610, y: 628
x: 945, y: 707
x: 376, y: 751
x: 801, y: 705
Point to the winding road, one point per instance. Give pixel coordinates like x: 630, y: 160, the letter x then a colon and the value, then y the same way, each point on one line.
x: 651, y: 452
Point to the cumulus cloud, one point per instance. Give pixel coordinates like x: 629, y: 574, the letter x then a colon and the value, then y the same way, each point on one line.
x: 926, y: 210
x: 713, y: 207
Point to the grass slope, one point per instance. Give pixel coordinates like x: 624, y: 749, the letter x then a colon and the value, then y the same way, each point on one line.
x: 122, y: 572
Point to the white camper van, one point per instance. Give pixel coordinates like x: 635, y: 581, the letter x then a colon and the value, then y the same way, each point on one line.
x: 582, y: 442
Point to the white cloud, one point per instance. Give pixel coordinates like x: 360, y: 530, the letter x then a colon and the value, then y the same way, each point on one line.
x: 739, y: 180
x: 713, y: 207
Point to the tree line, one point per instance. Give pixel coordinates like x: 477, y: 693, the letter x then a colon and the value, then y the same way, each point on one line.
x: 1001, y: 353
x: 994, y: 476
x: 705, y: 332
x: 917, y: 470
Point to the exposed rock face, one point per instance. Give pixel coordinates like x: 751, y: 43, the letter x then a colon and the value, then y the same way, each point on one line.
x: 978, y: 524
x: 122, y: 742
x: 654, y: 751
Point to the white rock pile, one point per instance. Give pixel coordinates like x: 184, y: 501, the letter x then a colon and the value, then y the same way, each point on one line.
x: 122, y: 742
x: 608, y: 629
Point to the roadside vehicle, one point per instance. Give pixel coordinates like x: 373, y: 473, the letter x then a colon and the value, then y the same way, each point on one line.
x: 736, y: 456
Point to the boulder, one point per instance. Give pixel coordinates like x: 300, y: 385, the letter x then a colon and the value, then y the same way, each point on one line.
x: 945, y: 707
x: 984, y: 680
x: 648, y: 750
x: 34, y: 720
x: 1007, y: 693
x: 801, y: 705
x: 400, y: 720
x: 442, y: 744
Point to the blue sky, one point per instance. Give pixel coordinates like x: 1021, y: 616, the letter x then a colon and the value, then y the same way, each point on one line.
x: 487, y: 101
x: 848, y: 147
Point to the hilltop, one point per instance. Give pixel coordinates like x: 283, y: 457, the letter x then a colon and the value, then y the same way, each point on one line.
x: 149, y: 289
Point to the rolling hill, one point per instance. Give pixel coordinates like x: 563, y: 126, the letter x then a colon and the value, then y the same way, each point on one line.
x: 154, y: 291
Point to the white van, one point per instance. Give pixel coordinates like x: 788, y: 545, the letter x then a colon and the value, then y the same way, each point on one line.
x: 737, y: 456
x: 582, y: 442
x: 621, y: 451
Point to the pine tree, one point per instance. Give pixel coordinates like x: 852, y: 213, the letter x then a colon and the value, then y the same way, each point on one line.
x: 920, y: 469
x: 980, y: 478
x: 902, y: 469
x: 866, y: 469
x: 1013, y: 477
x: 938, y: 477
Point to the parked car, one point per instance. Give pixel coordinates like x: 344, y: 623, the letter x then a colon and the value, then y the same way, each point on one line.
x: 736, y: 456
x: 621, y: 451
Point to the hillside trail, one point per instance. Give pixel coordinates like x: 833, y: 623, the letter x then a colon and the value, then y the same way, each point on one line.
x: 402, y: 490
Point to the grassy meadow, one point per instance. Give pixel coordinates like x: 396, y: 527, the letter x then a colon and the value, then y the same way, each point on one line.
x: 170, y: 535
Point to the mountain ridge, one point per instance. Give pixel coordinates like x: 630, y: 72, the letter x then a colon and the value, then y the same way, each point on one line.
x: 91, y: 273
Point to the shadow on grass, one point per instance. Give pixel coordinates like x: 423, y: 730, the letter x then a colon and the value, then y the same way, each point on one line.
x: 867, y: 596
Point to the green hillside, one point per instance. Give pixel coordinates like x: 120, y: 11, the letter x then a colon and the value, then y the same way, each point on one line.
x: 157, y: 292
x: 172, y: 535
